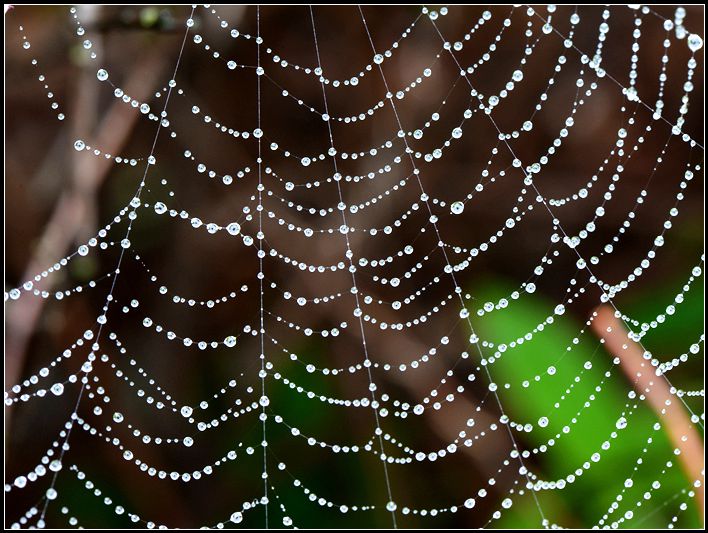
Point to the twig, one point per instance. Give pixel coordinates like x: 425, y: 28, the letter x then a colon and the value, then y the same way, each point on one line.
x: 71, y: 211
x: 672, y: 415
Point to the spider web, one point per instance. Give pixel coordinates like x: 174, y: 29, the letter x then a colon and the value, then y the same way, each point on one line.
x: 346, y: 258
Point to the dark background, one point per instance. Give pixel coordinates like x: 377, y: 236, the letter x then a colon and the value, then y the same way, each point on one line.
x: 57, y: 198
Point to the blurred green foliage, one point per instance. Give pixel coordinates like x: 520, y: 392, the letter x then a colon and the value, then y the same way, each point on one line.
x: 590, y: 496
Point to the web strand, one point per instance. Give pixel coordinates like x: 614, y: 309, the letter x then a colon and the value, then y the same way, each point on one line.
x: 413, y: 322
x: 264, y: 399
x: 109, y: 297
x: 556, y: 219
x: 355, y: 290
x: 458, y: 290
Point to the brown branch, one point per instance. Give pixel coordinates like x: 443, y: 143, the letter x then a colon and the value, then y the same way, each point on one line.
x: 73, y: 209
x: 673, y: 416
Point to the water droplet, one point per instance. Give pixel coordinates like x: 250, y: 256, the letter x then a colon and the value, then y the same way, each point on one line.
x: 234, y: 228
x: 695, y: 42
x: 102, y: 74
x: 305, y: 161
x: 230, y: 341
x: 457, y: 208
x: 83, y: 250
x: 57, y: 389
x: 117, y: 417
x: 79, y: 145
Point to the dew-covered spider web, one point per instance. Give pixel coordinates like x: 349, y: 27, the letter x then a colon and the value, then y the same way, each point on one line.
x: 354, y: 266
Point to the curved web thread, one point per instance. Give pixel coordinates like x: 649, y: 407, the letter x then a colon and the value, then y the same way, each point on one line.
x: 263, y: 404
x: 51, y: 492
x: 458, y: 290
x: 550, y: 211
x: 391, y: 506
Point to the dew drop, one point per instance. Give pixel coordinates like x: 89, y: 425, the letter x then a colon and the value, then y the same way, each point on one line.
x: 695, y: 42
x: 230, y: 341
x: 457, y: 208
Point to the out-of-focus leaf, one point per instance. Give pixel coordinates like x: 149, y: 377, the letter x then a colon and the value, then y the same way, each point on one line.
x: 572, y: 402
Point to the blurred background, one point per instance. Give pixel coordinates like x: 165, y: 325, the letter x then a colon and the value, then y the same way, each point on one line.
x: 56, y: 198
